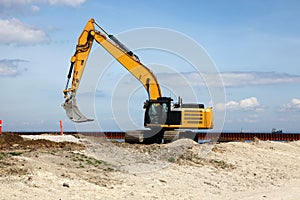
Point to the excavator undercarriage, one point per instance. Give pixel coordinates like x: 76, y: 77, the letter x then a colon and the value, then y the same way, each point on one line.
x: 162, y: 136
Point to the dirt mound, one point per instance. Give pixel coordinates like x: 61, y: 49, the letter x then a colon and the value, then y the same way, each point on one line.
x: 9, y: 141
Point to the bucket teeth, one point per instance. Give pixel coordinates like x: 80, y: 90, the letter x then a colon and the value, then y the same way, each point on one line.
x: 73, y: 111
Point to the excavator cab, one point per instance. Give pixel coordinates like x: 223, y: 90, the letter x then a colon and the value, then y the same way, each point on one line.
x: 157, y: 111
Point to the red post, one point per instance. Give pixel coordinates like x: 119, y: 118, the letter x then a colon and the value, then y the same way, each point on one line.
x: 61, y: 127
x: 0, y: 126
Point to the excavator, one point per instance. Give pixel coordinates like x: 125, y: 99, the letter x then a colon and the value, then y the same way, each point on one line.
x: 164, y: 120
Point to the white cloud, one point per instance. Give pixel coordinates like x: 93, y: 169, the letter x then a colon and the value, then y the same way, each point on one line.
x: 250, y: 103
x: 35, y: 8
x: 293, y: 105
x: 11, y: 67
x: 9, y: 7
x: 230, y: 79
x: 232, y: 104
x: 238, y: 79
x: 73, y: 3
x: 14, y: 31
x: 7, y: 71
x: 11, y: 3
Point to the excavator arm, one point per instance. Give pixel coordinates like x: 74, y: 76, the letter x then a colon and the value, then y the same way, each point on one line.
x: 124, y: 56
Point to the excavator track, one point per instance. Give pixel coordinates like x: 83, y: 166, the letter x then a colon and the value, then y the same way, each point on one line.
x: 189, y: 134
x: 144, y: 137
x: 154, y: 136
x: 133, y: 137
x: 170, y: 136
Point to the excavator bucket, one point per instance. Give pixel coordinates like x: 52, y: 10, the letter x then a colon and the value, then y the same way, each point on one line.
x: 73, y: 112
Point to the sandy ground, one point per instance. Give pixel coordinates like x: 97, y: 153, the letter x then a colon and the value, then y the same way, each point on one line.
x: 93, y: 168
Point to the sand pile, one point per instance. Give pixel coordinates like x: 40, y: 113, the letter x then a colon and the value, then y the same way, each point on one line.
x: 95, y: 168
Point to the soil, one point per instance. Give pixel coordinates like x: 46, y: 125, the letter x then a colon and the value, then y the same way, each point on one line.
x: 95, y: 168
x: 11, y: 141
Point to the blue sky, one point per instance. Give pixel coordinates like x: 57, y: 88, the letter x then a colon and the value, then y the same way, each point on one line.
x: 254, y: 44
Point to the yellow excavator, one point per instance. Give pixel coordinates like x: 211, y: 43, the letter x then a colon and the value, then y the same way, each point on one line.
x: 164, y: 119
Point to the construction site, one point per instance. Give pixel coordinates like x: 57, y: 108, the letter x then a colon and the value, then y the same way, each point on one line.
x: 87, y: 167
x: 176, y: 156
x: 147, y: 113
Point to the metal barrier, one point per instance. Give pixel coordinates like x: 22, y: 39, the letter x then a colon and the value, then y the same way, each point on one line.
x: 211, y: 136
